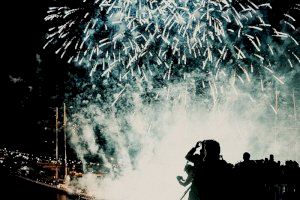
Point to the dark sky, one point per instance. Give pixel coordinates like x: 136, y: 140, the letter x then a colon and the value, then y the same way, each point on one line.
x: 35, y: 78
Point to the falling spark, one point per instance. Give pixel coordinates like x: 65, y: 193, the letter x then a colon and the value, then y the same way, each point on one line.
x: 118, y: 96
x: 298, y: 59
x: 278, y: 79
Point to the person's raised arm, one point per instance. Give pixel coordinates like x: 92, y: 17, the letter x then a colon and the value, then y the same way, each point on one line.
x: 190, y: 155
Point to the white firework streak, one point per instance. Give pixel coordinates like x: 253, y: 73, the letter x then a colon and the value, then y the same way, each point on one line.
x: 183, y: 30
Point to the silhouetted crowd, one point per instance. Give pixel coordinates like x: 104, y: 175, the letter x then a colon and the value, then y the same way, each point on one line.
x: 212, y: 178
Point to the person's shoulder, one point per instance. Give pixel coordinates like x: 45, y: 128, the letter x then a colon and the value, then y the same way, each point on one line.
x: 239, y: 164
x: 252, y: 162
x: 226, y: 164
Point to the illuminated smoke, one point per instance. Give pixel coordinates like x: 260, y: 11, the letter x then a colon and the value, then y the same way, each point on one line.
x: 149, y: 142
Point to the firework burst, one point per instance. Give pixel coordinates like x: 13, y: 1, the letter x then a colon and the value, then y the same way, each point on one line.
x: 214, y: 41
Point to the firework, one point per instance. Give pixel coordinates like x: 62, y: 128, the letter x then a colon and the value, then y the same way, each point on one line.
x: 167, y: 39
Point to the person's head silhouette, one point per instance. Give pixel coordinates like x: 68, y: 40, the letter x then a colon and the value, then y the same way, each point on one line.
x: 211, y: 150
x: 246, y: 156
x: 271, y: 157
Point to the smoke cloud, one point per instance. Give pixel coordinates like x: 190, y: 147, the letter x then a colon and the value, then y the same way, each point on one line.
x: 142, y: 148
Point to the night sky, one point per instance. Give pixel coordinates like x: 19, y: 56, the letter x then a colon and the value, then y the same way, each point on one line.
x: 36, y: 79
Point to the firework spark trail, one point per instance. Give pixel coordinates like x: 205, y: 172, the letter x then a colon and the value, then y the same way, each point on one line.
x: 93, y: 24
x: 124, y: 35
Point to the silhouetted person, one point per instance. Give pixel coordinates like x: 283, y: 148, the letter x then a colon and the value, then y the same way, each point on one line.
x: 273, y: 170
x: 246, y: 177
x: 246, y: 163
x: 212, y: 175
x: 271, y: 158
x: 196, y: 159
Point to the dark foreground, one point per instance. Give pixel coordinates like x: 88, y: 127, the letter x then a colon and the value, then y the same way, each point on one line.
x: 14, y: 188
